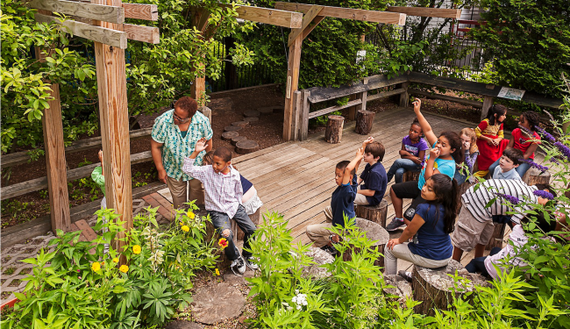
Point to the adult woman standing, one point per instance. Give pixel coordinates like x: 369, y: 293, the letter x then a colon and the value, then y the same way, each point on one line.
x: 174, y: 136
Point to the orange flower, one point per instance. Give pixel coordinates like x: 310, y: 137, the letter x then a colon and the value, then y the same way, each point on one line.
x: 223, y: 243
x: 124, y: 268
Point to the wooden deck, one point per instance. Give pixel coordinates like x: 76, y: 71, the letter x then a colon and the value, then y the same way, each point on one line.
x: 296, y: 179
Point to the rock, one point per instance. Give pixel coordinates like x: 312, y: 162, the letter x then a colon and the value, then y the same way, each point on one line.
x: 180, y: 324
x: 320, y: 257
x: 251, y: 119
x: 215, y: 303
x: 251, y: 113
x: 232, y: 128
x: 401, y: 287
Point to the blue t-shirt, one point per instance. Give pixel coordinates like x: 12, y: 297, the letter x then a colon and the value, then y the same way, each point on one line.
x: 446, y: 167
x: 374, y: 178
x: 433, y: 242
x: 342, y: 203
x: 245, y: 184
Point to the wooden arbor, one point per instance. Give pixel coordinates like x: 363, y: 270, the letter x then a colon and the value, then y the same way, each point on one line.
x: 103, y: 22
x: 314, y: 14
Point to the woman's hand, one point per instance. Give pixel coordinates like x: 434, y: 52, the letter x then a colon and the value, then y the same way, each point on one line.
x: 390, y: 245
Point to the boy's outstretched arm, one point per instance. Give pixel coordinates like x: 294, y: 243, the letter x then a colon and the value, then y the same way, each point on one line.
x: 353, y: 165
x: 428, y: 132
x: 189, y: 167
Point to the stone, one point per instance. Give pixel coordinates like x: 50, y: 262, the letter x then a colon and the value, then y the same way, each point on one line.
x: 320, y: 257
x: 219, y: 302
x: 181, y: 324
x: 232, y: 128
x: 251, y: 113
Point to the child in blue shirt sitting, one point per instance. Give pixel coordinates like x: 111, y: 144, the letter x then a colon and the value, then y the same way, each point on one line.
x: 342, y: 204
x: 374, y: 176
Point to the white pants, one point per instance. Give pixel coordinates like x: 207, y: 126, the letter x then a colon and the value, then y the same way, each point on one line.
x: 403, y: 252
x: 360, y: 200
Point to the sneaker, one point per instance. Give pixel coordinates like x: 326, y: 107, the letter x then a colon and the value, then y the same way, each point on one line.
x: 330, y: 250
x: 405, y: 275
x: 249, y: 263
x: 393, y: 226
x: 239, y: 265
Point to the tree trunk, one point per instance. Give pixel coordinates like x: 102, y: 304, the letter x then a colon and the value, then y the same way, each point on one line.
x: 333, y: 132
x: 497, y: 238
x: 364, y: 120
x: 377, y: 213
x: 374, y: 232
x: 533, y: 177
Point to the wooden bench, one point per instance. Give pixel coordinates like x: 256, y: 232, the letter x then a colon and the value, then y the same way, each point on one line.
x: 377, y: 213
x: 374, y: 232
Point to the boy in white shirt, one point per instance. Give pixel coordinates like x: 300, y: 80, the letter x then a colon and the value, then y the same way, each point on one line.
x: 508, y: 163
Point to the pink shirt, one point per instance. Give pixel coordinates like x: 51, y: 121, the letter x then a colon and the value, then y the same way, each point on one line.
x: 223, y: 192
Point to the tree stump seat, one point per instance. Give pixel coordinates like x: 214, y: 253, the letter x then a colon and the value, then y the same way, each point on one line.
x: 376, y: 213
x: 533, y: 176
x: 364, y: 121
x: 411, y: 176
x: 498, y: 237
x: 374, y: 232
x: 433, y: 287
x: 333, y: 132
x: 239, y: 235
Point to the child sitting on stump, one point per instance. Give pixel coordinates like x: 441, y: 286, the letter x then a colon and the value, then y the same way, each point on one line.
x: 223, y: 201
x: 342, y: 204
x: 374, y: 176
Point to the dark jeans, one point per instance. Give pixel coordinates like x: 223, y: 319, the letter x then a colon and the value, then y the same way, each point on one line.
x: 221, y: 221
x: 478, y: 264
x: 503, y: 219
x: 400, y: 166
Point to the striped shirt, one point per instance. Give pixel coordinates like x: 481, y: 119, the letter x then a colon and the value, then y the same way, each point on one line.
x: 476, y: 200
x: 223, y: 192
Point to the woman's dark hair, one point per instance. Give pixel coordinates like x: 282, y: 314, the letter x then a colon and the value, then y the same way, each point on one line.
x: 497, y: 109
x: 455, y: 143
x: 533, y: 119
x: 446, y: 192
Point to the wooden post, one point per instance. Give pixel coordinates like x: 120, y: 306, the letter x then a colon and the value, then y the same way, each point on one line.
x: 297, y: 99
x: 114, y: 116
x: 333, y: 132
x: 487, y: 103
x: 304, y: 115
x: 363, y: 96
x: 198, y: 87
x: 292, y: 84
x: 405, y: 96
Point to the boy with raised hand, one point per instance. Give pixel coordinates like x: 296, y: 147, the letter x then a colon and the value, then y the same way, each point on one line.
x: 374, y: 177
x: 342, y: 204
x: 223, y: 191
x: 508, y: 163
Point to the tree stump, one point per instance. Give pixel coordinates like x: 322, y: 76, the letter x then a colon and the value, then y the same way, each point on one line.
x: 333, y: 132
x: 364, y: 120
x: 376, y: 213
x: 497, y: 238
x: 240, y: 123
x: 433, y: 287
x: 238, y: 139
x: 228, y: 135
x: 251, y: 119
x: 251, y: 113
x: 411, y: 176
x: 232, y: 128
x: 246, y: 146
x: 533, y: 176
x: 320, y: 257
x: 373, y: 231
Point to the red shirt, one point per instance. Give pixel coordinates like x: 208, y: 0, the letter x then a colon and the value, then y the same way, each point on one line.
x: 521, y: 141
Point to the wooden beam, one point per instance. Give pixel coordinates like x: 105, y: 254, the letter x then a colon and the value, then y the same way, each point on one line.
x: 292, y: 85
x: 114, y: 116
x: 104, y: 35
x: 141, y: 11
x: 348, y: 13
x: 427, y: 12
x: 312, y: 26
x: 307, y: 19
x: 142, y: 33
x: 334, y: 108
x: 270, y: 16
x: 87, y: 10
x: 201, y: 19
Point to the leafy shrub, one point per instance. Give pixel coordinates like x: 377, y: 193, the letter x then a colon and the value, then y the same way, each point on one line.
x: 72, y: 288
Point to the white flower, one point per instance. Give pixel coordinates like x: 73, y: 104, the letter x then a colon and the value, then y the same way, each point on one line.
x: 298, y: 307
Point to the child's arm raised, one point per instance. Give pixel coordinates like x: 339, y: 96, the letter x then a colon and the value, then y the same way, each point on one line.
x: 189, y: 167
x: 353, y: 165
x: 428, y: 132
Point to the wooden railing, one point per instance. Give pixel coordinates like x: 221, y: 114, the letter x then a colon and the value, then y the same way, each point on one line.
x: 304, y: 98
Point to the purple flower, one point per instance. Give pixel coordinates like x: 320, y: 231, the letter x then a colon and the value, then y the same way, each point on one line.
x: 509, y: 198
x: 544, y: 194
x: 563, y: 149
x: 526, y: 131
x: 534, y: 164
x: 545, y: 134
x: 553, y: 159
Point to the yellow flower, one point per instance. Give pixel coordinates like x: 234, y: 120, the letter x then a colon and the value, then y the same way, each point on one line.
x: 96, y: 266
x: 190, y: 215
x: 217, y: 272
x: 124, y: 268
x: 115, y: 260
x: 137, y: 249
x: 181, y: 223
x: 185, y: 228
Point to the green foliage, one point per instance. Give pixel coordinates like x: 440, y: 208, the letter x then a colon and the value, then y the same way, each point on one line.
x: 72, y: 288
x: 528, y: 43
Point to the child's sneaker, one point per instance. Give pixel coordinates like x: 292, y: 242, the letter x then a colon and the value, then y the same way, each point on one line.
x: 249, y: 263
x: 394, y: 224
x: 405, y: 275
x: 330, y: 250
x: 239, y: 265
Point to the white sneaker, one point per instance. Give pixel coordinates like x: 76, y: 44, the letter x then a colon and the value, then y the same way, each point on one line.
x: 239, y: 265
x: 250, y: 263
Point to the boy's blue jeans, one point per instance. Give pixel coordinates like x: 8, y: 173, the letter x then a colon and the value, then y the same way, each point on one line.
x: 400, y: 166
x: 521, y: 169
x: 221, y: 221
